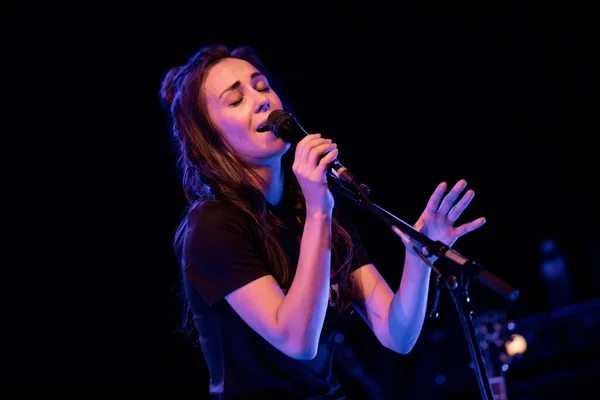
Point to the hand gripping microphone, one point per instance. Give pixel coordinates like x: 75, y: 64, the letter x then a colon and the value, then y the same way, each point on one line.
x: 284, y: 125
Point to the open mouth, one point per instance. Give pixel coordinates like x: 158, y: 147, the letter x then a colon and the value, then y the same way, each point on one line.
x: 264, y: 127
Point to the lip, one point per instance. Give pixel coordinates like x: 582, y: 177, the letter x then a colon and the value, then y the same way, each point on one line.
x: 261, y: 124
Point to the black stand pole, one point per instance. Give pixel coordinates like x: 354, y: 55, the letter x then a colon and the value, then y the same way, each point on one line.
x: 461, y: 300
x: 457, y: 288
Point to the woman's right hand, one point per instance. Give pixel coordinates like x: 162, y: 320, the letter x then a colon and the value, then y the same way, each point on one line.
x: 313, y: 155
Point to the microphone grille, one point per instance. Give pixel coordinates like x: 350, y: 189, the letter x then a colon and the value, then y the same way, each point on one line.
x: 276, y: 118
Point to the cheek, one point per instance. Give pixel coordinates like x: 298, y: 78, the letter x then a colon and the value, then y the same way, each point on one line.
x: 230, y: 126
x: 236, y: 132
x: 276, y: 102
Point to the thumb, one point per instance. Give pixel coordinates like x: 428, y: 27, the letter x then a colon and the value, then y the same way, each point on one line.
x: 408, y: 242
x: 420, y: 222
x: 405, y: 239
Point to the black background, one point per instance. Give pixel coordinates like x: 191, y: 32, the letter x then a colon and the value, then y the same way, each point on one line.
x: 501, y: 94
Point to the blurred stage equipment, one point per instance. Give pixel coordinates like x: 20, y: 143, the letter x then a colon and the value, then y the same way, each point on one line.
x: 499, y: 346
x: 550, y: 354
x: 554, y: 272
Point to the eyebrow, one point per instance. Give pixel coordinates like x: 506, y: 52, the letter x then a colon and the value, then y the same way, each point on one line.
x: 236, y: 84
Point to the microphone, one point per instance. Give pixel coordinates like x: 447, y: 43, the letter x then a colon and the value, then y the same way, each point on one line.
x: 284, y: 125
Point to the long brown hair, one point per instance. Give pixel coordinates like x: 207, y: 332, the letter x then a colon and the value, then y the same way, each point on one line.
x: 209, y: 169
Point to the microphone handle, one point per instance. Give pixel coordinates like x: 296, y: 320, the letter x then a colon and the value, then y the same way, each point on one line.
x: 341, y: 172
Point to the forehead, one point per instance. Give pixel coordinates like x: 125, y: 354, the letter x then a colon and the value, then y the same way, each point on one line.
x: 225, y: 73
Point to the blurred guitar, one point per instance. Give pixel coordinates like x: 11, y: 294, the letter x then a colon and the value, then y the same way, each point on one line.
x: 492, y: 333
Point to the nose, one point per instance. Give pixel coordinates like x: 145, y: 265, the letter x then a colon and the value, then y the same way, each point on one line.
x: 264, y: 104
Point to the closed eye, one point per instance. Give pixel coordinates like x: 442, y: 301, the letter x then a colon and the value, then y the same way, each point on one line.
x: 238, y: 102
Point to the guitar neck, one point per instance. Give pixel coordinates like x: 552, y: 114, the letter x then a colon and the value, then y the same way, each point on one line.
x: 498, y: 384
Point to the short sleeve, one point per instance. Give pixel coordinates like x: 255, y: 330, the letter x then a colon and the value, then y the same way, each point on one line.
x: 220, y: 252
x: 361, y: 256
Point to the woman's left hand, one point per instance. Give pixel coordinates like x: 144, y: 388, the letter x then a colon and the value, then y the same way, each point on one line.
x: 437, y: 220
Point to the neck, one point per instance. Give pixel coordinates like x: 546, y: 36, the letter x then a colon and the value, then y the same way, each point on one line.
x: 272, y: 177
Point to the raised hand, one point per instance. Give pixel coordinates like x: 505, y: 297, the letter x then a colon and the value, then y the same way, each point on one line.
x: 313, y: 155
x: 440, y: 214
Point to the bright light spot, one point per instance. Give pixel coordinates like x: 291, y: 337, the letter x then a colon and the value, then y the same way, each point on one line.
x: 516, y: 345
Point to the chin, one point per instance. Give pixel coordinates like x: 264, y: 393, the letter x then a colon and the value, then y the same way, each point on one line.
x: 269, y: 152
x: 285, y: 146
x: 277, y: 144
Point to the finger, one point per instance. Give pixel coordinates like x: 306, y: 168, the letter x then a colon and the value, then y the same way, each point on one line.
x: 312, y: 144
x: 451, y: 197
x: 409, y: 243
x: 462, y: 204
x: 470, y: 226
x: 310, y: 137
x: 325, y: 161
x: 317, y: 152
x: 405, y: 239
x: 434, y: 200
x: 315, y: 139
x: 303, y: 147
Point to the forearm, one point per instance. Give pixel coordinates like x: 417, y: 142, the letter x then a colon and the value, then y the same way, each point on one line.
x: 302, y: 312
x: 408, y: 307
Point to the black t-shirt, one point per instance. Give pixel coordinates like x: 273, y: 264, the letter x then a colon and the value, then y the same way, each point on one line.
x: 221, y: 255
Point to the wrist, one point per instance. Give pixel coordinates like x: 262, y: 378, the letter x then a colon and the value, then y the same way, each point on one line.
x: 318, y: 213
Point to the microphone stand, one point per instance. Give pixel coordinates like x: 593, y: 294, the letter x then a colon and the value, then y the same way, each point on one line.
x: 456, y: 287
